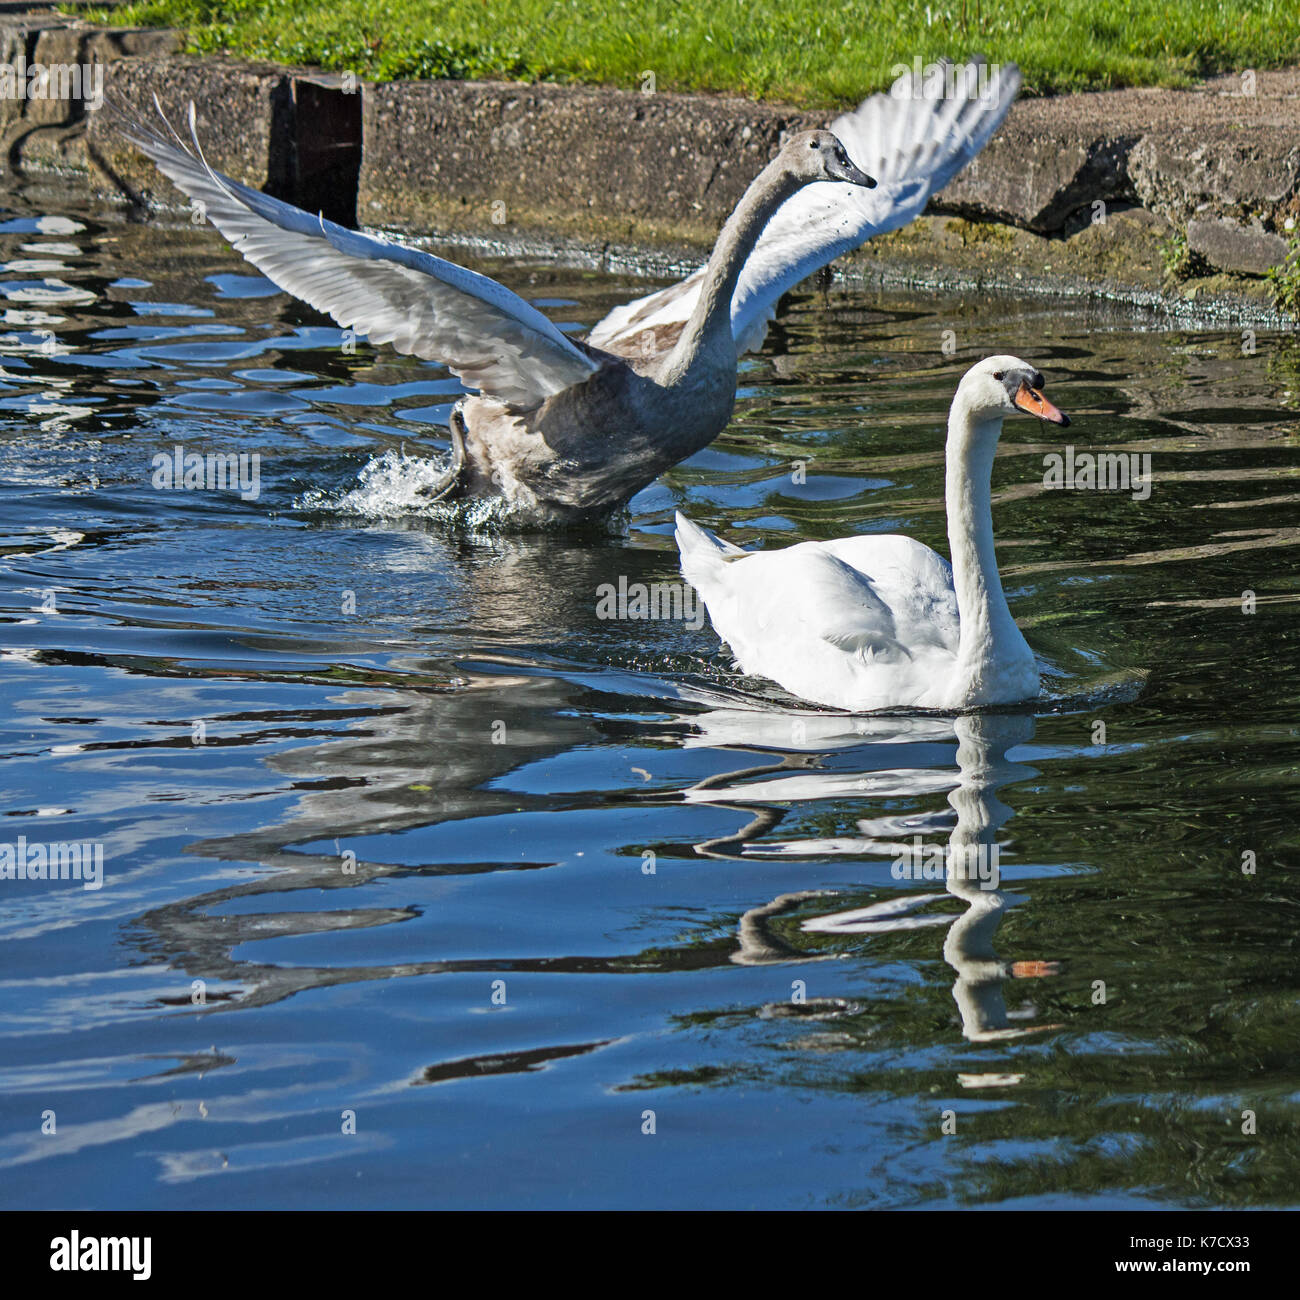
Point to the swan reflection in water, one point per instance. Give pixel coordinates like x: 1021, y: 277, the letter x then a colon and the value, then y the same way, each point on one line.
x: 969, y: 861
x: 404, y: 761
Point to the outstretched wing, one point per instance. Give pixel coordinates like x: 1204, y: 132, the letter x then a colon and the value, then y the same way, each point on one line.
x: 911, y: 142
x: 420, y: 304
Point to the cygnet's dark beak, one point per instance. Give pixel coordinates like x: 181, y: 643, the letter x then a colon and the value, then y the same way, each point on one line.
x: 846, y: 171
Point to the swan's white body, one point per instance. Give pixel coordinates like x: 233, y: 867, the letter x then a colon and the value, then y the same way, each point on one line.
x: 880, y: 622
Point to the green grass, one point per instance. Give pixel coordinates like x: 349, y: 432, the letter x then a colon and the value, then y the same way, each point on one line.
x: 1176, y: 256
x: 1285, y: 279
x: 814, y: 53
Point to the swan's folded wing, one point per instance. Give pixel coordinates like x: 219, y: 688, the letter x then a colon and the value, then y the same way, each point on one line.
x: 420, y: 304
x: 805, y: 592
x: 912, y: 143
x: 912, y: 580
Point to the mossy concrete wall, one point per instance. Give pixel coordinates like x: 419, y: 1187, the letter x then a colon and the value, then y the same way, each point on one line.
x: 1089, y: 193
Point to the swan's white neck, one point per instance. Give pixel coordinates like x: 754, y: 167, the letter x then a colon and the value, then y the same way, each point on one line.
x: 989, y: 637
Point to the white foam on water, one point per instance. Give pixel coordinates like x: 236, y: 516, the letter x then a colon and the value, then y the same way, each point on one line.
x: 395, y: 486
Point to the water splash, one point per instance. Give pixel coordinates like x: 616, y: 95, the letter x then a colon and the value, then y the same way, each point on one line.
x: 388, y: 487
x: 396, y: 486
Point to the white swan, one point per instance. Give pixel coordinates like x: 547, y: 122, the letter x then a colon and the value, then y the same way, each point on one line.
x: 880, y: 622
x: 563, y: 431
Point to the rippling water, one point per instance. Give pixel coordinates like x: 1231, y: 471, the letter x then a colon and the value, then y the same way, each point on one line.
x: 400, y: 836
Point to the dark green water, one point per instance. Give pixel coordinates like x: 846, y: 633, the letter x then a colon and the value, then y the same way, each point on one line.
x: 487, y: 877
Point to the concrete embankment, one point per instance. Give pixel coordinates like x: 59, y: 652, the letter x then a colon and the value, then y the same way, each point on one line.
x: 1152, y: 194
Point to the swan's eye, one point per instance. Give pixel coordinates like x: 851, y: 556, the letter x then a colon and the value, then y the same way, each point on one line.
x: 812, y: 144
x: 997, y: 374
x: 1038, y: 380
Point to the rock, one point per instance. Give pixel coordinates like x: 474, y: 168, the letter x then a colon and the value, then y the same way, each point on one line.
x: 1179, y: 173
x: 107, y: 44
x: 69, y: 50
x: 1037, y: 180
x: 1229, y: 246
x: 1110, y: 257
x: 13, y: 43
x: 19, y: 40
x: 44, y: 124
x: 1177, y: 152
x: 58, y: 51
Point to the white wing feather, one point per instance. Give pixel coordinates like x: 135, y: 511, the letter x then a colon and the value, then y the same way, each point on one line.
x: 419, y: 304
x: 912, y: 146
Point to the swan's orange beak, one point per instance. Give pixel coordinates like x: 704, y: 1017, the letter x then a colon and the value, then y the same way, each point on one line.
x: 1032, y: 402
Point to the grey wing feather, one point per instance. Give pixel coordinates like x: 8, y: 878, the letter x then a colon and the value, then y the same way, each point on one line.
x: 418, y: 303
